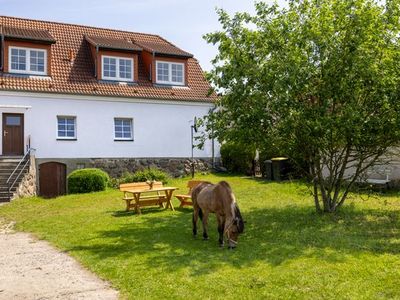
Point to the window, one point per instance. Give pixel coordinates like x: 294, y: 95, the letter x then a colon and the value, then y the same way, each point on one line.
x: 66, y: 127
x: 170, y: 73
x: 13, y: 120
x: 123, y: 129
x: 117, y: 68
x: 28, y: 61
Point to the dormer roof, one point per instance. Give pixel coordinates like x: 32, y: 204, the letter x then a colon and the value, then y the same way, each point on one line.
x: 163, y: 49
x: 27, y: 34
x: 112, y: 43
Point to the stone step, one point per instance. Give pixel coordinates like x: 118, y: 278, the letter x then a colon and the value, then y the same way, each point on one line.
x: 4, y: 174
x: 5, y: 171
x: 7, y: 166
x: 9, y: 161
x: 5, y: 184
x: 3, y: 164
x: 5, y: 188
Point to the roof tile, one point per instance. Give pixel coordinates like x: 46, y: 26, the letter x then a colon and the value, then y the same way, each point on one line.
x: 110, y: 43
x: 27, y: 34
x: 78, y: 77
x: 163, y: 48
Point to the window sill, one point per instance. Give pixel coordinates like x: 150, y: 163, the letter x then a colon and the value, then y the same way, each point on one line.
x: 66, y: 139
x: 25, y: 75
x: 123, y: 140
x: 118, y: 82
x: 171, y: 86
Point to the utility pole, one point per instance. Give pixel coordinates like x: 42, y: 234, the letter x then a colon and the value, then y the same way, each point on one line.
x: 193, y: 128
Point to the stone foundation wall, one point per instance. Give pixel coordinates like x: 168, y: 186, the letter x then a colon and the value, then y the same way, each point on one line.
x: 115, y: 167
x: 174, y: 166
x: 27, y: 187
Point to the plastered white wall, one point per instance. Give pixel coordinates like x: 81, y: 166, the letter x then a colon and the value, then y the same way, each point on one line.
x: 161, y: 129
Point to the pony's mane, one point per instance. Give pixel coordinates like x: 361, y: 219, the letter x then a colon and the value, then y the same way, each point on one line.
x: 235, y: 208
x: 240, y: 222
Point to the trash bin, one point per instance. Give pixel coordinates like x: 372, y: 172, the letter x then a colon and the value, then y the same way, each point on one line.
x: 280, y: 168
x: 268, y: 170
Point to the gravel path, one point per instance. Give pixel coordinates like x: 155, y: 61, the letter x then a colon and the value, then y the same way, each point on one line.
x: 32, y: 269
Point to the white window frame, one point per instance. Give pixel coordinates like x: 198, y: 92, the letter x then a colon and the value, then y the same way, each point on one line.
x: 170, y: 82
x: 28, y: 61
x: 75, y: 128
x: 116, y: 78
x: 123, y: 138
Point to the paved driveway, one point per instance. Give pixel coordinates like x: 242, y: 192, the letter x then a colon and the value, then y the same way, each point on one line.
x: 32, y: 269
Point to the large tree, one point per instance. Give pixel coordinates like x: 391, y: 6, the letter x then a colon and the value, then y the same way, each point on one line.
x: 319, y: 79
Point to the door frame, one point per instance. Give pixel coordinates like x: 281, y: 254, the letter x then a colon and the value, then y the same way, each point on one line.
x: 4, y: 114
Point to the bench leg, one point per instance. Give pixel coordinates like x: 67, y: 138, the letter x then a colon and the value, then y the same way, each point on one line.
x: 128, y: 205
x: 137, y: 200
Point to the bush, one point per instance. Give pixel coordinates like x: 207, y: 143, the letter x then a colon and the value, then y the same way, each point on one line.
x: 87, y: 180
x: 145, y: 175
x: 237, y: 158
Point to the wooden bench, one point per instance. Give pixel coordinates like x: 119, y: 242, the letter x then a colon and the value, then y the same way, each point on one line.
x: 155, y: 198
x: 186, y: 198
x: 376, y: 171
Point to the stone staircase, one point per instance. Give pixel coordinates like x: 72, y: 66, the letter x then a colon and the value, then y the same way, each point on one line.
x: 7, y: 166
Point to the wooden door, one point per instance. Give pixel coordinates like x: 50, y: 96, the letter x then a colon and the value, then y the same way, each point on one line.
x: 52, y: 179
x: 13, y: 134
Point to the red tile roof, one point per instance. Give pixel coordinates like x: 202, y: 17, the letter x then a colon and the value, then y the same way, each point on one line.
x: 26, y: 34
x: 163, y: 48
x: 77, y: 77
x: 109, y: 43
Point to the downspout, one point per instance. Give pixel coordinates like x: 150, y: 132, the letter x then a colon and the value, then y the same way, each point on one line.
x: 151, y: 66
x: 213, y: 140
x: 95, y: 62
x: 2, y: 52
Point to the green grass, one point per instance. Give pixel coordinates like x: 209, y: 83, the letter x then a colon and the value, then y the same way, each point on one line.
x: 286, y: 252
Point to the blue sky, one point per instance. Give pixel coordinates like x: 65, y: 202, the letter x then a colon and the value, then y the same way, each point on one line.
x: 182, y: 22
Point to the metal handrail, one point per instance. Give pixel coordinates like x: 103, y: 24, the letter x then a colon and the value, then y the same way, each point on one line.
x: 25, y: 159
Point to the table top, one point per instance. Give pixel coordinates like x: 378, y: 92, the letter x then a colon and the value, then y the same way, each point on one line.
x: 160, y: 189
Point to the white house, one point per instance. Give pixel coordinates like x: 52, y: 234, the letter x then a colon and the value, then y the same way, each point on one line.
x: 84, y: 96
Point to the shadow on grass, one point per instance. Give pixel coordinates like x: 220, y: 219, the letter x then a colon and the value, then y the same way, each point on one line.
x: 272, y: 236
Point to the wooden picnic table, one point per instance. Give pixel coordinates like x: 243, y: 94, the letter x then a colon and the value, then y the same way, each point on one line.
x: 141, y: 200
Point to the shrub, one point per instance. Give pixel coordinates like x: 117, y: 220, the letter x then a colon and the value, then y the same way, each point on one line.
x: 87, y: 180
x: 237, y: 158
x: 145, y: 175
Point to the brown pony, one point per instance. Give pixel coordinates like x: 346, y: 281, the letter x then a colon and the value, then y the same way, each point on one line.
x: 217, y: 198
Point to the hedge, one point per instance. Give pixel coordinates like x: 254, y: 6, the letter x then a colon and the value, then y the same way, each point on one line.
x: 145, y: 175
x: 237, y: 158
x: 87, y: 180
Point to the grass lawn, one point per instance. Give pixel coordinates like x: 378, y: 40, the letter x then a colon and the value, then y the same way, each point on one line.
x: 286, y: 252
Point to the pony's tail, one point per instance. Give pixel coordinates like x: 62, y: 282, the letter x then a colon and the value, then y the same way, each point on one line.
x: 200, y: 214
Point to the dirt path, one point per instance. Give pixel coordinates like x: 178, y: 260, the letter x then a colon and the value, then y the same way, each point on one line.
x: 31, y: 269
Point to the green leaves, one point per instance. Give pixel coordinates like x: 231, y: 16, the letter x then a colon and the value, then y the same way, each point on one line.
x: 320, y: 76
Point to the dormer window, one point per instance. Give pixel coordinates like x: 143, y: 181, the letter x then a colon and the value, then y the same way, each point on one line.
x: 28, y: 61
x: 170, y: 73
x: 117, y: 68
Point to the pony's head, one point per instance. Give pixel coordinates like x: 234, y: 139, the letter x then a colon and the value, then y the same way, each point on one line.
x: 235, y: 228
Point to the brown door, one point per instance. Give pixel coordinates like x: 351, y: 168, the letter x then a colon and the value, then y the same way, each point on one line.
x: 13, y: 134
x: 52, y: 179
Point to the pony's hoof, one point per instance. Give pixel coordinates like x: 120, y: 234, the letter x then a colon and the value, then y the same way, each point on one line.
x: 231, y: 248
x: 205, y: 238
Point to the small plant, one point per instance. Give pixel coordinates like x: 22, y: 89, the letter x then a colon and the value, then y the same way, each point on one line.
x: 87, y: 180
x: 151, y: 174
